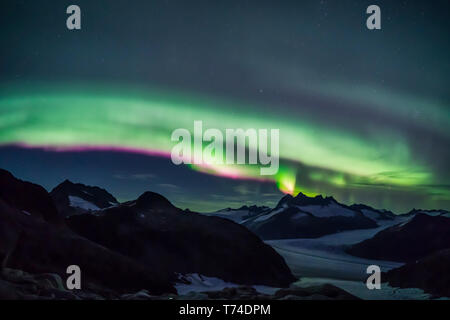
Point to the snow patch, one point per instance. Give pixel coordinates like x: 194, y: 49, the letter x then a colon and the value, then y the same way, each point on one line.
x: 81, y: 203
x: 371, y: 214
x: 330, y: 210
x: 325, y: 257
x: 86, y: 192
x: 200, y: 283
x: 268, y: 216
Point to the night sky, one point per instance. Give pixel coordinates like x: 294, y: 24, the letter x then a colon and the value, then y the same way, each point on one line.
x: 364, y: 116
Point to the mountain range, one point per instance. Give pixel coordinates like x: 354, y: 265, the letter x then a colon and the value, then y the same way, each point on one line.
x: 140, y: 244
x: 149, y: 244
x: 183, y: 241
x: 308, y: 217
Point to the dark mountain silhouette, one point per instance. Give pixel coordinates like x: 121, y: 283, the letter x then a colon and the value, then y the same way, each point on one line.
x: 31, y: 243
x: 430, y: 274
x: 413, y: 212
x: 409, y: 241
x: 303, y: 200
x: 154, y: 202
x: 76, y: 198
x: 151, y: 229
x: 29, y: 198
x: 307, y: 217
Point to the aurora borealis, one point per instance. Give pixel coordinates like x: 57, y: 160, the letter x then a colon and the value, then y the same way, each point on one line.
x: 361, y: 125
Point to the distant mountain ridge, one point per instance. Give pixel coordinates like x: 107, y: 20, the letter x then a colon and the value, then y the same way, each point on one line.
x: 307, y: 217
x: 240, y: 214
x: 372, y: 213
x: 303, y: 200
x: 433, y: 212
x: 311, y: 217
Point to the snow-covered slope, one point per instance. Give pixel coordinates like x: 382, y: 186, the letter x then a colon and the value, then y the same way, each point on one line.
x: 77, y: 202
x: 241, y: 214
x: 326, y: 256
x: 433, y: 213
x: 76, y: 198
x: 331, y: 209
x: 374, y: 214
x: 307, y: 217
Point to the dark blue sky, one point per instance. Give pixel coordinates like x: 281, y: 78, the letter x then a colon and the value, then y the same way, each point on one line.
x: 393, y: 82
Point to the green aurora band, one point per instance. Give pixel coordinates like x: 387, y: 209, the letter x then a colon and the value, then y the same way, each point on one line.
x: 63, y: 117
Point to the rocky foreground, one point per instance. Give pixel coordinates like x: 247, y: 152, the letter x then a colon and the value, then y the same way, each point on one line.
x: 430, y: 273
x: 17, y: 284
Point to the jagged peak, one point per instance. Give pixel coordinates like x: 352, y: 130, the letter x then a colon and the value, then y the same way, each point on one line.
x: 68, y: 183
x: 302, y: 199
x: 285, y: 200
x: 252, y: 207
